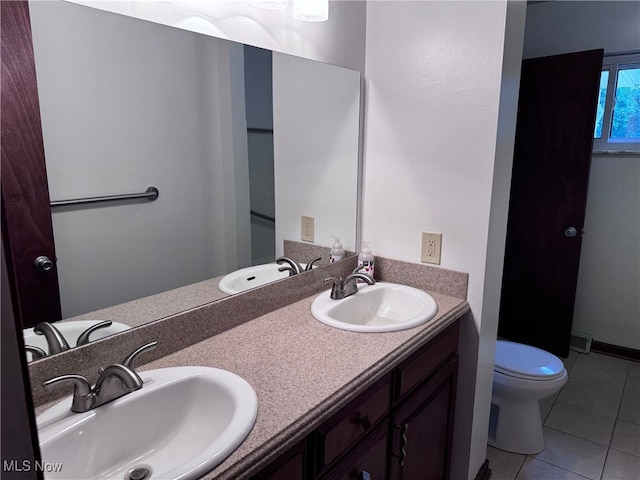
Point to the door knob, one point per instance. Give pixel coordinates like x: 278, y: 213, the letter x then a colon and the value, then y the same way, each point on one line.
x: 570, y: 232
x: 43, y: 263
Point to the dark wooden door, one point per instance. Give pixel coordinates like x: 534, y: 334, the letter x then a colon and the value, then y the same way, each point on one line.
x: 554, y: 135
x: 27, y: 231
x: 19, y: 436
x: 423, y: 429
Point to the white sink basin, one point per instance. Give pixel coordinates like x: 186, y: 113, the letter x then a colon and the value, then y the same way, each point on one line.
x: 71, y: 331
x: 181, y: 424
x: 383, y: 307
x: 252, y: 277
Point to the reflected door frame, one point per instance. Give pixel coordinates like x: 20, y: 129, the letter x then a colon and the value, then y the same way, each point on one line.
x: 27, y: 229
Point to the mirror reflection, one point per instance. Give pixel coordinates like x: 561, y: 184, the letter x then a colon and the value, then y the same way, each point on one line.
x: 239, y: 141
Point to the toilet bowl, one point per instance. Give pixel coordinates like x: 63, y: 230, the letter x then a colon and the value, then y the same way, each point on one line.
x: 522, y: 376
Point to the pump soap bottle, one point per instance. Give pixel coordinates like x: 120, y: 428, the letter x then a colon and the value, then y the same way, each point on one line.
x: 337, y: 252
x: 366, y: 261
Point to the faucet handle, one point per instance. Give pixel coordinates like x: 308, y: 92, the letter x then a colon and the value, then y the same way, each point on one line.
x: 129, y: 362
x: 310, y: 264
x: 295, y: 266
x: 287, y: 269
x: 359, y: 276
x: 82, y: 387
x: 83, y: 396
x: 55, y: 339
x: 83, y: 339
x: 36, y: 352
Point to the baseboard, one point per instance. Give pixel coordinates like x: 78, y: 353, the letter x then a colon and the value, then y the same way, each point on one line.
x: 615, y: 350
x: 485, y: 472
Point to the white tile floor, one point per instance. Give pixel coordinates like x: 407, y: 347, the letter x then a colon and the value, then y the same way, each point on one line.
x: 591, y: 427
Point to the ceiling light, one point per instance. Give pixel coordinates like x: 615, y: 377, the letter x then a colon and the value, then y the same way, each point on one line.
x: 311, y: 10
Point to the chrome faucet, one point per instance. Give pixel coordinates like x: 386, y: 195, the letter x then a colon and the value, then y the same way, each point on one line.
x: 55, y: 340
x: 114, y: 382
x: 294, y: 267
x: 83, y: 339
x: 347, y: 287
x: 310, y: 264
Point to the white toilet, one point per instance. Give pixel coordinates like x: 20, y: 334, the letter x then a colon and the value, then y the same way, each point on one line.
x: 522, y: 376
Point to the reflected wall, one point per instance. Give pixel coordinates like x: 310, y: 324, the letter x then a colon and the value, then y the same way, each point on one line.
x: 127, y: 104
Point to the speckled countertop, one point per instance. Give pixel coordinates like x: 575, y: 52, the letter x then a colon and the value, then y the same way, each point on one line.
x: 161, y: 305
x: 302, y: 371
x: 148, y: 309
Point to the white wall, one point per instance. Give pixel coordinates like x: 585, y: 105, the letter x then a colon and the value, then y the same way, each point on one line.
x: 433, y: 82
x: 563, y: 27
x: 607, y: 299
x: 233, y: 144
x: 104, y: 101
x: 608, y: 295
x: 339, y: 41
x: 316, y: 151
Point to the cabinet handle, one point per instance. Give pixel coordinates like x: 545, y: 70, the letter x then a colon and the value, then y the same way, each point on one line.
x: 364, y: 422
x: 403, y: 443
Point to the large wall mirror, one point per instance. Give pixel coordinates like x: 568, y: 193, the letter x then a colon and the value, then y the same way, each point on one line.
x: 239, y: 141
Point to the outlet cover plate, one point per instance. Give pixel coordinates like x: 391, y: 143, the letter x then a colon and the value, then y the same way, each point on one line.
x: 431, y: 247
x: 307, y: 230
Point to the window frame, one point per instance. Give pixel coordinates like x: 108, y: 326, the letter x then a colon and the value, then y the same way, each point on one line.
x: 605, y: 145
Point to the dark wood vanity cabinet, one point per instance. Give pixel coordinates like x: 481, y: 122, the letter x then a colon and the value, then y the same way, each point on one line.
x: 422, y: 429
x: 400, y: 428
x: 348, y: 427
x: 423, y: 410
x: 290, y: 466
x: 368, y: 460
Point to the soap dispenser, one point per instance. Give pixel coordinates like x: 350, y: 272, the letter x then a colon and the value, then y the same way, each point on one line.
x: 337, y: 252
x: 366, y: 260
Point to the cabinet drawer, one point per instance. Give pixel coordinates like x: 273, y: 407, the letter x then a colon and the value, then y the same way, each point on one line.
x: 349, y: 425
x: 367, y: 461
x: 424, y: 362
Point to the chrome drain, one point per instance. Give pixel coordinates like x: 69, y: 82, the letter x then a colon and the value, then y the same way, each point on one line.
x: 140, y: 473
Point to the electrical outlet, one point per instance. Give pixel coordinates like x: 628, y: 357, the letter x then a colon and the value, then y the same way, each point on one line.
x: 307, y: 229
x: 431, y: 247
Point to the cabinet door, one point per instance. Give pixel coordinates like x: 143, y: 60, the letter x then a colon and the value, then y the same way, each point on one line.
x: 289, y: 466
x: 423, y: 427
x: 368, y: 461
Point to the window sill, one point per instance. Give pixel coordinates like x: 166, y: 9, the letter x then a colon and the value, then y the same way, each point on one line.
x: 615, y: 152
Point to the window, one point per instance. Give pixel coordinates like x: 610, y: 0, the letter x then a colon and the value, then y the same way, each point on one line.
x: 618, y: 115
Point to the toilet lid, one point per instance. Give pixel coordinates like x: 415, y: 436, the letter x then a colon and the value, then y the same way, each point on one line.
x: 525, y: 361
